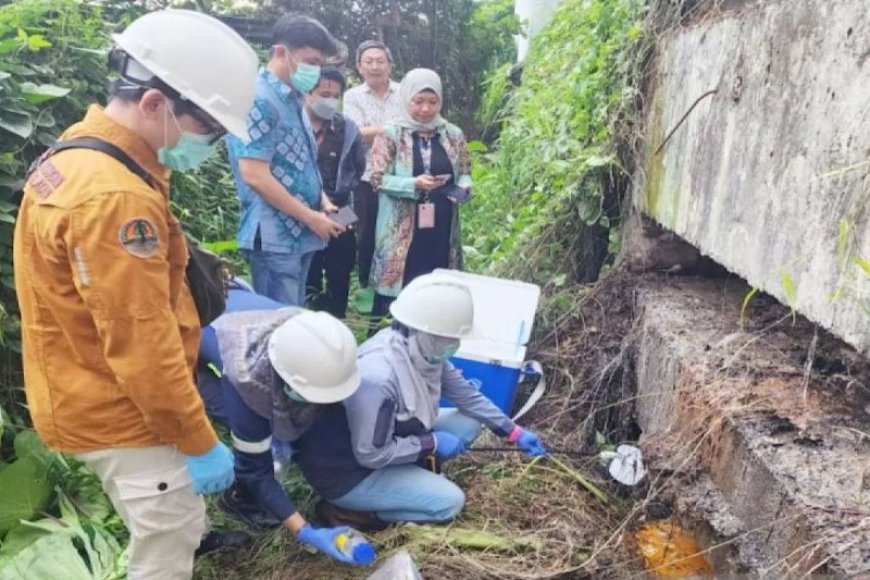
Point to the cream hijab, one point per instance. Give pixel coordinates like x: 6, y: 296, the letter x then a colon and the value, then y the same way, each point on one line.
x: 414, y: 83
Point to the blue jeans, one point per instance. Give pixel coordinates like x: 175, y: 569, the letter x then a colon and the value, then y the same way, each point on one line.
x: 279, y: 276
x: 409, y: 493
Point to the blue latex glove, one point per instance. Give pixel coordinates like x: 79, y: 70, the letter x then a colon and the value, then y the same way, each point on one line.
x: 529, y: 442
x: 213, y: 471
x: 447, y: 445
x: 323, y: 540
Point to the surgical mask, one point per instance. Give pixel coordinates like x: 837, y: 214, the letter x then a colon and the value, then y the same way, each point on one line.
x: 306, y: 77
x: 190, y: 151
x: 293, y: 395
x: 324, y: 108
x: 437, y: 349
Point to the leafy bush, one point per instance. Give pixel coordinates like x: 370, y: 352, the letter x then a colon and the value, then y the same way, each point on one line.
x: 52, y: 66
x: 548, y: 191
x: 50, y: 69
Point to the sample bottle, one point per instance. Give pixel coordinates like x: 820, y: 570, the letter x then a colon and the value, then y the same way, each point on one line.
x: 355, y: 545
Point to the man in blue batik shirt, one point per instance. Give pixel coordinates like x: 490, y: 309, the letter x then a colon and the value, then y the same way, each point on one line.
x: 283, y: 208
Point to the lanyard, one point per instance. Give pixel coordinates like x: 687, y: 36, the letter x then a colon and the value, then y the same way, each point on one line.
x: 426, y: 153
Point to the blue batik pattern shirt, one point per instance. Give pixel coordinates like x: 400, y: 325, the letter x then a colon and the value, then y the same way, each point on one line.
x: 281, y: 134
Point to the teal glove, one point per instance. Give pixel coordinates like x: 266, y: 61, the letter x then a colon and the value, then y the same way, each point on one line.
x: 323, y: 540
x: 212, y: 471
x: 447, y: 445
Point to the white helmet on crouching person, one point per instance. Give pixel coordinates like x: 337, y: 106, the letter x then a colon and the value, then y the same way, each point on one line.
x: 437, y: 305
x: 197, y: 57
x: 315, y: 355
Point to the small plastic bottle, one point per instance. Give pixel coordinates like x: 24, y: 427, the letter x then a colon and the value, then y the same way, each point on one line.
x: 355, y: 545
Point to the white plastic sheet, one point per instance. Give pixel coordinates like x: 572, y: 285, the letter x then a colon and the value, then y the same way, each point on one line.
x: 399, y: 566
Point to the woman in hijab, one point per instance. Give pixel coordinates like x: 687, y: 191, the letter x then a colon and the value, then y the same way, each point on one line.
x: 374, y: 458
x: 421, y: 170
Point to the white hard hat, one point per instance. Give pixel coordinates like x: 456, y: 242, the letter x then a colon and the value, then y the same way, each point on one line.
x: 315, y: 354
x: 201, y: 58
x: 437, y: 305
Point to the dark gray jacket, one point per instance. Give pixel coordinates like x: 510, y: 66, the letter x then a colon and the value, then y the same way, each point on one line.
x: 352, y: 163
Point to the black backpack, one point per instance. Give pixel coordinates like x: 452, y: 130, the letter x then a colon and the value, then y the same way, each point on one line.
x: 207, y: 277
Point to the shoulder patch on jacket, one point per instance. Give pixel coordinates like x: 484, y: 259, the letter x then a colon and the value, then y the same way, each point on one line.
x: 139, y: 237
x: 45, y: 179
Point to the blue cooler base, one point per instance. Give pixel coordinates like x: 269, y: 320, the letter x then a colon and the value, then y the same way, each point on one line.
x: 498, y: 383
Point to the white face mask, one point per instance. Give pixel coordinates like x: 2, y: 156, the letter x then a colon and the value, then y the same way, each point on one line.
x: 324, y: 108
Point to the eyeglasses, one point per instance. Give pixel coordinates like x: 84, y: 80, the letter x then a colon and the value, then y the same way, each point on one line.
x: 215, y: 129
x: 183, y: 107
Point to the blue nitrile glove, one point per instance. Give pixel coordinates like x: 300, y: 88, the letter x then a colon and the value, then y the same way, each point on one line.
x: 212, y: 471
x: 447, y: 445
x: 323, y: 540
x: 528, y: 442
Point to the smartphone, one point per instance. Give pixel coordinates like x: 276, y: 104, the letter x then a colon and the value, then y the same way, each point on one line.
x: 444, y: 176
x: 344, y: 216
x: 459, y: 194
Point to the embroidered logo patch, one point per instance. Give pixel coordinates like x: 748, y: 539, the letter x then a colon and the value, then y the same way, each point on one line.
x: 45, y: 179
x: 139, y: 238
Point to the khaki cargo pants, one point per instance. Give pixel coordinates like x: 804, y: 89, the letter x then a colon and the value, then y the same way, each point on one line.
x: 152, y: 491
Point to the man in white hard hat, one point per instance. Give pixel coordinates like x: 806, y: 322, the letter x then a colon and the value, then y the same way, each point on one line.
x: 373, y: 469
x: 284, y: 219
x: 281, y: 370
x: 110, y: 332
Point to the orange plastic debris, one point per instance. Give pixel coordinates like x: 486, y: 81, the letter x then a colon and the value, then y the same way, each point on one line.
x: 670, y: 552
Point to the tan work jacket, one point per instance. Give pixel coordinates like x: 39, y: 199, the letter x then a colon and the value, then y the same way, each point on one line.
x: 110, y: 331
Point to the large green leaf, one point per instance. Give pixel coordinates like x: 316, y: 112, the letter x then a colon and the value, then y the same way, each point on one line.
x: 38, y: 94
x: 46, y: 556
x: 95, y: 555
x: 28, y: 443
x: 27, y: 482
x: 21, y: 125
x: 26, y: 485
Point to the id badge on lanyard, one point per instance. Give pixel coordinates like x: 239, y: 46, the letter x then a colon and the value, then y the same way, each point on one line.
x: 426, y: 215
x: 426, y: 210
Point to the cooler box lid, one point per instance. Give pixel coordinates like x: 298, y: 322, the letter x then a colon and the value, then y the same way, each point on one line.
x: 504, y: 310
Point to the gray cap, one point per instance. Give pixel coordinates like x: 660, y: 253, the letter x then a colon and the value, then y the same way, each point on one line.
x: 368, y: 44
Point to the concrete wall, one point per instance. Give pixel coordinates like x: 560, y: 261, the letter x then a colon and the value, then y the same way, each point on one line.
x: 771, y: 175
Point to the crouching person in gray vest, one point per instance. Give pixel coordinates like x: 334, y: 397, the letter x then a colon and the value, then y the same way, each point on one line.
x: 281, y: 369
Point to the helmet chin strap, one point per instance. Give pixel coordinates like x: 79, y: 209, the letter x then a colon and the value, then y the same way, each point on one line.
x: 293, y: 395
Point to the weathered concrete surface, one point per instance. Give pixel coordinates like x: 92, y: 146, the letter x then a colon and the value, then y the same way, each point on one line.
x: 770, y: 176
x: 757, y: 451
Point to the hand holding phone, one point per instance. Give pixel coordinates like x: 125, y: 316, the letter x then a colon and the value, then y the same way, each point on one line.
x: 444, y: 177
x: 345, y: 217
x: 458, y: 194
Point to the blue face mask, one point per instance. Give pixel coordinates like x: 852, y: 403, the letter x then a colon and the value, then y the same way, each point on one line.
x: 437, y: 349
x: 189, y: 153
x: 306, y: 77
x: 446, y: 354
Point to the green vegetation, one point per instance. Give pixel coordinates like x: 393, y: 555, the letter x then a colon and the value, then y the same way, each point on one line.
x: 548, y: 196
